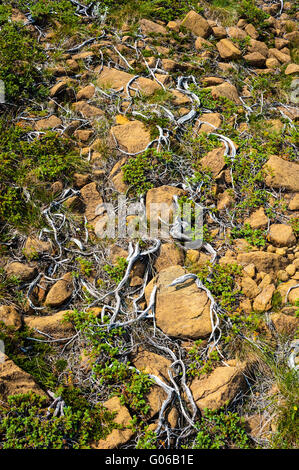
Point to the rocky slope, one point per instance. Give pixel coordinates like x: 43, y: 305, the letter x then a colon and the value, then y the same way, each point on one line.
x: 145, y: 341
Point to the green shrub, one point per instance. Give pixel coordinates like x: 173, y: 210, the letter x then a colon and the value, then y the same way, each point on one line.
x: 255, y: 237
x: 20, y: 59
x: 220, y: 430
x: 24, y: 425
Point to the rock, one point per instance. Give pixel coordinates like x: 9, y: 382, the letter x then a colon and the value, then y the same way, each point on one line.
x: 168, y: 65
x: 281, y: 235
x: 291, y: 269
x: 22, y: 271
x: 211, y: 122
x: 263, y: 261
x: 81, y: 180
x: 173, y: 26
x: 60, y: 292
x: 236, y: 33
x: 294, y: 203
x: 196, y: 24
x: 169, y: 255
x: 228, y: 50
x: 86, y: 93
x: 179, y: 98
x: 92, y: 199
x: 132, y: 137
x: 161, y: 195
x: 293, y: 295
x: 182, y: 311
x: 123, y: 418
x: 280, y: 43
x: 202, y: 43
x: 83, y: 135
x: 219, y: 32
x: 284, y: 324
x: 246, y: 306
x: 218, y: 388
x: 148, y: 26
x: 52, y: 325
x: 251, y: 31
x: 10, y: 317
x: 292, y: 68
x: 116, y: 79
x: 282, y: 174
x: 262, y: 302
x: 256, y: 59
x: 258, y: 219
x: 249, y: 270
x: 249, y: 287
x: 258, y: 46
x: 151, y: 363
x: 214, y: 160
x: 227, y: 90
x: 15, y: 381
x: 58, y: 88
x: 87, y: 110
x: 35, y: 247
x: 272, y: 63
x: 49, y: 123
x: 225, y: 200
x: 279, y: 55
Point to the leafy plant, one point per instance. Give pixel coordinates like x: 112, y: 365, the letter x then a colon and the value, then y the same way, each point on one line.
x: 117, y: 272
x: 220, y: 430
x: 255, y: 237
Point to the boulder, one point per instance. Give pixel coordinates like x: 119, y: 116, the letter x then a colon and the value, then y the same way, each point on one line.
x: 10, y: 317
x: 117, y: 79
x: 35, y: 247
x: 60, y: 292
x: 132, y: 137
x: 255, y: 58
x: 218, y: 388
x: 282, y: 174
x: 249, y: 287
x: 161, y: 195
x: 123, y: 418
x: 86, y: 93
x: 214, y: 160
x: 228, y: 50
x: 53, y: 325
x: 22, y: 271
x: 182, y: 311
x: 87, y: 110
x: 148, y: 27
x: 196, y: 24
x: 292, y: 68
x: 258, y: 46
x: 236, y: 33
x: 15, y: 381
x: 169, y: 255
x: 48, y: 123
x: 262, y: 302
x: 262, y: 260
x: 258, y: 219
x: 281, y: 235
x: 293, y: 295
x: 211, y: 122
x: 92, y: 199
x: 227, y: 91
x: 284, y: 324
x: 294, y: 203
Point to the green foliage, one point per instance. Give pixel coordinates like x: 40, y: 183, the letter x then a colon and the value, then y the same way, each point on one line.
x: 24, y: 425
x: 255, y: 237
x: 30, y: 164
x: 248, y: 10
x: 46, y: 11
x: 220, y: 279
x: 31, y: 356
x: 143, y: 172
x: 20, y: 59
x: 220, y: 430
x: 148, y: 440
x: 222, y: 104
x: 199, y: 365
x: 117, y: 272
x: 163, y: 10
x: 86, y: 266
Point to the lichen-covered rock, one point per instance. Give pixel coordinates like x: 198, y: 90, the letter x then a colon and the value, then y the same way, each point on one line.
x: 281, y: 235
x: 133, y: 137
x: 196, y: 24
x: 53, y: 325
x: 21, y: 271
x: 10, y: 317
x: 228, y: 50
